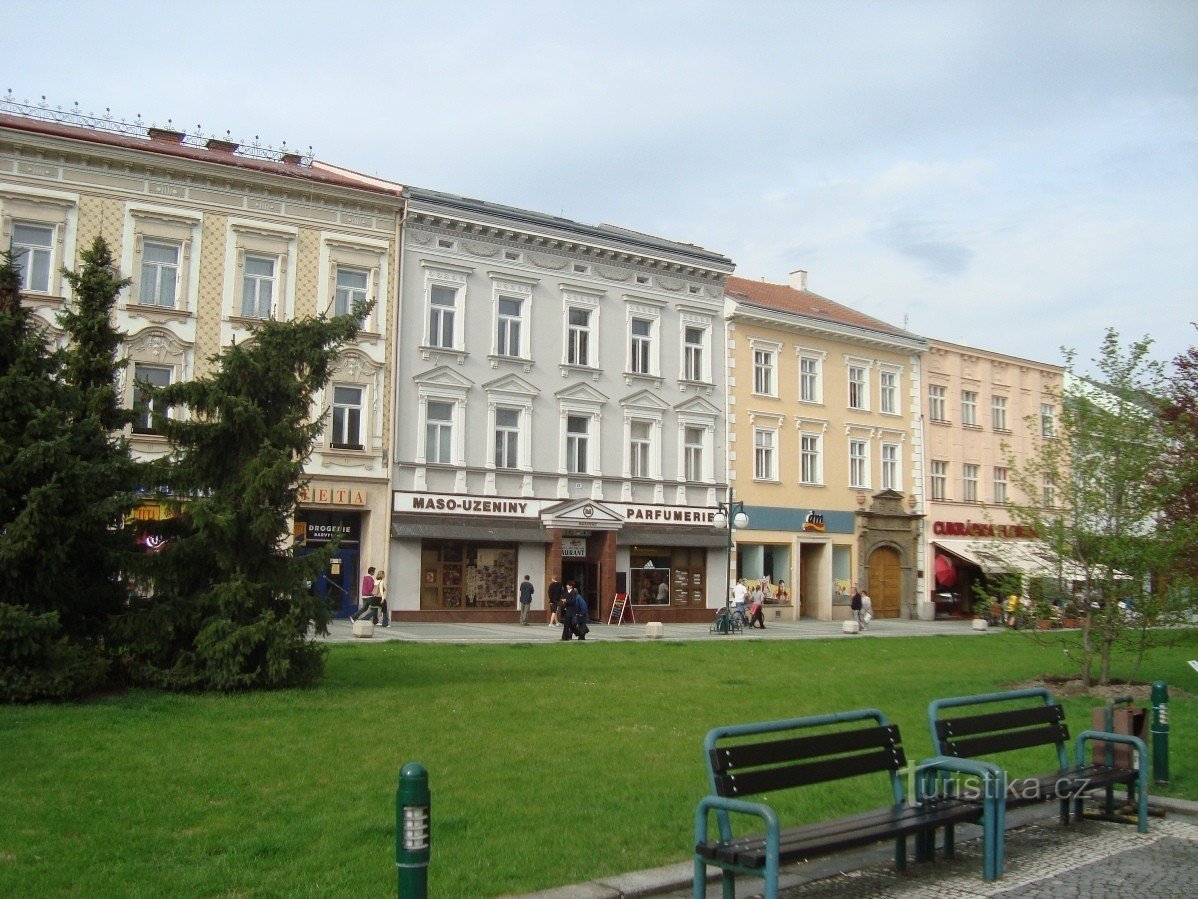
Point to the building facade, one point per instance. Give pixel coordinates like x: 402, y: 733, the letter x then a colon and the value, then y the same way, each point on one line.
x: 825, y: 450
x: 980, y: 409
x: 560, y: 413
x: 215, y: 240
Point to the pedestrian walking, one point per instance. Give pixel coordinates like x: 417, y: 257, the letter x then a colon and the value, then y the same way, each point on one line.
x: 380, y: 587
x: 526, y: 591
x: 855, y: 605
x: 555, y: 592
x: 366, y: 591
x: 867, y: 610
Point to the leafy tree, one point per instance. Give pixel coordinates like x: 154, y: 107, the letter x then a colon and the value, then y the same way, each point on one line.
x: 1178, y: 477
x: 1099, y: 531
x: 231, y: 607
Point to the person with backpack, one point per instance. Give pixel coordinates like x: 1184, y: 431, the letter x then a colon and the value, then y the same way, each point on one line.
x: 855, y: 605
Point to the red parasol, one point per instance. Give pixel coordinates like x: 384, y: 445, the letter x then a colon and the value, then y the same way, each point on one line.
x: 946, y: 573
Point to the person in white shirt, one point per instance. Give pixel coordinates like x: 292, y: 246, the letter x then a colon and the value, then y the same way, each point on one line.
x: 867, y: 609
x: 739, y: 593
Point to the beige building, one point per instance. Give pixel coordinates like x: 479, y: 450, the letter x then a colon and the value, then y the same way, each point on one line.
x: 217, y: 238
x: 824, y: 449
x: 979, y: 408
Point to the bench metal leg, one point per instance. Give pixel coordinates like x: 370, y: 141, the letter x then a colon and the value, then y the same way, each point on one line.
x: 1064, y: 811
x: 949, y: 841
x: 900, y: 853
x: 728, y: 880
x: 700, y: 883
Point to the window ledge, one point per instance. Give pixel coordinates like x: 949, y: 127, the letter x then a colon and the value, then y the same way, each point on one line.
x: 973, y: 427
x: 569, y: 368
x: 632, y: 377
x: 520, y: 361
x: 432, y: 352
x: 160, y: 312
x: 941, y: 422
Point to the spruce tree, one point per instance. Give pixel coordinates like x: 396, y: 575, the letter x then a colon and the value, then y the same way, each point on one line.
x: 232, y: 608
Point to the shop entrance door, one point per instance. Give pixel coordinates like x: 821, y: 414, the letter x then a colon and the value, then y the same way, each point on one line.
x: 586, y: 576
x: 886, y: 582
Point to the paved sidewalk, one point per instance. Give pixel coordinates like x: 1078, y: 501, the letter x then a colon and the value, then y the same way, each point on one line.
x: 341, y: 631
x: 1043, y: 859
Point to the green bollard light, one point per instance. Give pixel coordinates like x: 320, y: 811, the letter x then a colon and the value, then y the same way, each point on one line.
x: 412, y: 851
x: 1160, y: 732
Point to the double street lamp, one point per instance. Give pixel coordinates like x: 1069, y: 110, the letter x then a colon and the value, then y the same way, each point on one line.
x: 731, y: 515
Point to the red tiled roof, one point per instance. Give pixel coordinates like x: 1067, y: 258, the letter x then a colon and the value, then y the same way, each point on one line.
x: 183, y: 151
x: 785, y: 298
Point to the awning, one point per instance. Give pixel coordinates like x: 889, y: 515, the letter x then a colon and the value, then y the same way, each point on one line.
x: 1029, y: 557
x: 480, y: 529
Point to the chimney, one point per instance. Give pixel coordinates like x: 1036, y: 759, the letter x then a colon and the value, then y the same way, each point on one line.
x: 798, y: 279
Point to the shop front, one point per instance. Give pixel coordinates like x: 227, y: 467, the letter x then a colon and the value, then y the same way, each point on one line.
x: 340, y: 512
x: 461, y: 558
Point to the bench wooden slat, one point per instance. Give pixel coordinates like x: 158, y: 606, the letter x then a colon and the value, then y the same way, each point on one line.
x: 987, y: 744
x: 748, y: 755
x: 978, y: 724
x: 748, y: 783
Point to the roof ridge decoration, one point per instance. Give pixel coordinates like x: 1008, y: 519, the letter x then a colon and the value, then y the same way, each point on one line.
x: 76, y: 117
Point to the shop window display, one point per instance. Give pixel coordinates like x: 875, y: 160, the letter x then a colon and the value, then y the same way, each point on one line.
x: 667, y: 577
x: 456, y: 575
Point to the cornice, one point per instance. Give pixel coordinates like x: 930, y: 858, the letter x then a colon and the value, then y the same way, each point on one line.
x: 801, y: 324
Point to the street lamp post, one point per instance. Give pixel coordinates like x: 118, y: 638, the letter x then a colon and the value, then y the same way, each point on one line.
x: 731, y: 515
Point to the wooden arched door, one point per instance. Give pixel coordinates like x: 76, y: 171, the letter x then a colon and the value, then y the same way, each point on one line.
x: 886, y: 582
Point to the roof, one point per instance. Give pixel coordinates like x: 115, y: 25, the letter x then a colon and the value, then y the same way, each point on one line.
x: 784, y: 298
x: 308, y: 174
x: 629, y: 240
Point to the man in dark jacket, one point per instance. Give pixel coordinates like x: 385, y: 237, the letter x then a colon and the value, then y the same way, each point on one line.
x: 855, y: 605
x: 555, y: 593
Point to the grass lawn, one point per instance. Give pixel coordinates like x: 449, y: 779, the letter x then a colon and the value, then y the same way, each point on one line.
x: 548, y: 765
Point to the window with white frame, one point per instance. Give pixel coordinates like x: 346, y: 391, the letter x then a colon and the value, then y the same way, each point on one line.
x: 763, y: 372
x: 32, y: 252
x: 352, y: 286
x: 969, y: 408
x: 438, y: 432
x: 640, y: 449
x: 1047, y: 420
x: 764, y: 447
x: 1000, y: 485
x: 442, y: 316
x: 578, y: 435
x: 694, y: 354
x: 159, y: 282
x: 258, y: 286
x: 969, y: 482
x: 859, y: 463
x: 888, y: 392
x: 347, y: 417
x: 640, y: 349
x: 578, y: 336
x: 858, y: 386
x: 507, y: 437
x: 144, y: 404
x: 1049, y: 494
x: 891, y: 468
x: 810, y: 458
x: 998, y: 412
x: 939, y: 478
x: 509, y: 313
x: 694, y: 442
x: 810, y: 381
x: 936, y: 404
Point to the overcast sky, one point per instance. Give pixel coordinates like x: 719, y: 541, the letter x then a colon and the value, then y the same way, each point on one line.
x: 1014, y: 176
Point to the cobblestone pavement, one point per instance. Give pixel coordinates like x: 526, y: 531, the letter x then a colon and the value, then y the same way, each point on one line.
x: 1044, y: 860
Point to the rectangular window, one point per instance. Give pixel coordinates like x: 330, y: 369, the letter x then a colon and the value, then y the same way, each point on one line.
x: 692, y: 354
x: 763, y: 454
x: 809, y: 386
x: 939, y: 480
x: 507, y: 340
x: 969, y: 483
x: 640, y: 351
x: 858, y: 463
x: 159, y: 274
x: 1000, y: 486
x: 693, y: 441
x: 1050, y: 494
x: 347, y: 417
x: 353, y: 286
x: 145, y: 405
x: 969, y: 408
x: 858, y: 388
x: 890, y: 467
x: 438, y: 433
x: 998, y: 409
x: 1047, y: 420
x: 810, y: 470
x: 763, y: 372
x: 936, y: 405
x: 640, y: 446
x: 32, y: 252
x: 577, y: 434
x: 258, y: 286
x: 443, y: 303
x: 578, y: 341
x: 507, y: 438
x: 889, y: 397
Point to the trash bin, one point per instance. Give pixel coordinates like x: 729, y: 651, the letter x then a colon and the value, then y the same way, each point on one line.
x: 1119, y: 719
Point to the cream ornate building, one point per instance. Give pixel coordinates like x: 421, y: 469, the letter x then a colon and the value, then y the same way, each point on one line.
x: 824, y: 449
x: 217, y: 238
